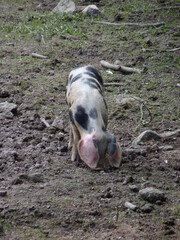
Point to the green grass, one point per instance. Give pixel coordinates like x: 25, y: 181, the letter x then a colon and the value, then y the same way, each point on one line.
x: 48, y: 25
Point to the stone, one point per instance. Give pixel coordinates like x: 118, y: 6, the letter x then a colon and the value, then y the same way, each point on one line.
x: 35, y: 177
x: 58, y: 123
x: 133, y: 188
x: 151, y: 195
x: 65, y: 6
x: 147, y: 208
x: 119, y: 16
x: 3, y: 193
x: 8, y: 107
x: 91, y: 10
x: 130, y: 206
x: 4, y: 93
x: 127, y: 180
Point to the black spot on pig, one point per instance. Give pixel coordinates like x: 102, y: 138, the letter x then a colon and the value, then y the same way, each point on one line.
x: 93, y: 113
x: 111, y: 145
x: 95, y: 73
x: 74, y: 79
x: 82, y: 117
x: 71, y: 116
x: 93, y: 83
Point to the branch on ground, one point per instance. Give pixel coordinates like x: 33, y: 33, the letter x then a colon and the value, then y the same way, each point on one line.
x: 120, y: 68
x: 157, y: 24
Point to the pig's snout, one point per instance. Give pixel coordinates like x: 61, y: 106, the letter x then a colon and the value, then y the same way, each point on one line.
x: 100, y: 153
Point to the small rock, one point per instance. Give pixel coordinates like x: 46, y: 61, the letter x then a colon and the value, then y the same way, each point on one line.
x: 8, y: 107
x: 151, y: 195
x: 20, y: 8
x: 64, y: 149
x: 3, y: 193
x: 8, y: 115
x: 149, y: 42
x: 58, y: 123
x: 4, y: 93
x: 35, y: 177
x: 91, y: 10
x: 169, y: 222
x: 127, y: 180
x: 37, y: 70
x: 133, y: 188
x: 17, y: 181
x: 51, y: 73
x: 109, y: 195
x: 119, y: 16
x: 130, y: 206
x: 170, y: 232
x: 20, y: 179
x: 176, y: 167
x: 65, y: 6
x: 147, y: 208
x: 166, y: 148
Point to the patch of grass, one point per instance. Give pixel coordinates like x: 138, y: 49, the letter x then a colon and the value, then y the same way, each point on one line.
x: 48, y: 24
x: 176, y: 211
x: 30, y: 233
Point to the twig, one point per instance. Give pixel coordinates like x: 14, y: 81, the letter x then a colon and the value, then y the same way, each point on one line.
x: 43, y: 120
x: 174, y: 49
x: 142, y: 114
x: 113, y: 84
x: 159, y: 50
x: 43, y: 39
x: 165, y: 8
x: 123, y: 69
x: 36, y: 55
x: 157, y: 24
x: 169, y: 133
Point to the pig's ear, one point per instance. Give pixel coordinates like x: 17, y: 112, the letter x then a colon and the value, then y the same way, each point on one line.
x: 113, y: 151
x: 88, y: 152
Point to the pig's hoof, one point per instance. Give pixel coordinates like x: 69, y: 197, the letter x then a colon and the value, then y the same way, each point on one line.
x: 75, y: 158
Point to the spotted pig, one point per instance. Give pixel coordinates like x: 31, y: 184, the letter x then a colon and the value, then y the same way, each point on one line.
x: 88, y: 116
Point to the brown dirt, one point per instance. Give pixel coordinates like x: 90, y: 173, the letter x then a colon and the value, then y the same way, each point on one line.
x: 43, y: 195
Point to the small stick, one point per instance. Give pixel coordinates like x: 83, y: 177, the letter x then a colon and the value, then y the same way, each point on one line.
x: 113, y: 84
x: 36, y: 55
x: 43, y: 120
x: 165, y: 8
x: 157, y: 24
x: 174, y: 49
x: 123, y: 69
x: 43, y: 39
x: 159, y: 50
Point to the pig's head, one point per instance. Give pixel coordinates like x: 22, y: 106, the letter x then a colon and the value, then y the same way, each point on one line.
x: 99, y: 151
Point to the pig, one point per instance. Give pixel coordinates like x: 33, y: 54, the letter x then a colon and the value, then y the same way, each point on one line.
x: 88, y: 116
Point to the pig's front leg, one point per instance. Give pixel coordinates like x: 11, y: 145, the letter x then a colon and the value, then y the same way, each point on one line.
x: 70, y: 138
x: 76, y: 138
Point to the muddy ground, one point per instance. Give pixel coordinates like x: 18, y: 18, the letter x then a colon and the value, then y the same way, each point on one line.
x: 43, y: 195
